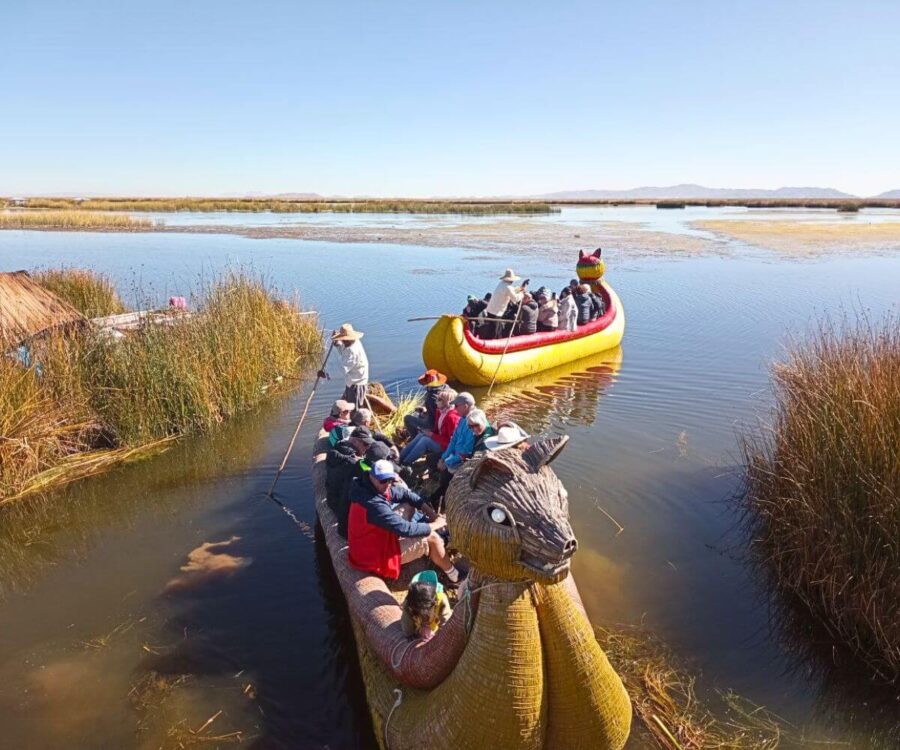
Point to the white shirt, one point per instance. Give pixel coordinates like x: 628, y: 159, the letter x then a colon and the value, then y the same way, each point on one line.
x: 355, y: 364
x: 501, y: 298
x: 568, y: 313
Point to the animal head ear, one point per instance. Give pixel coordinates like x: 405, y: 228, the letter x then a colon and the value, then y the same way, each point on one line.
x: 598, y: 252
x: 544, y: 451
x: 581, y: 255
x: 486, y: 465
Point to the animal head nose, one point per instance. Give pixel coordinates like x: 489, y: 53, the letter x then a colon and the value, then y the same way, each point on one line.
x: 569, y: 547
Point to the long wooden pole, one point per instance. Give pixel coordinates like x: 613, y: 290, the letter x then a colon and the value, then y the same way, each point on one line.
x: 501, y: 321
x: 300, y: 423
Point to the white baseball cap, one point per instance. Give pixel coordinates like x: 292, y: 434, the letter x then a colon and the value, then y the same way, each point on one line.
x: 384, y: 470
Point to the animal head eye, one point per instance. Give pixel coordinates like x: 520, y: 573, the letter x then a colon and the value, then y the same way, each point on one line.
x: 499, y: 516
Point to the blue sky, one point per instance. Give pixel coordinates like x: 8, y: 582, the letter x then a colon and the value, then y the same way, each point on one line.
x: 452, y: 98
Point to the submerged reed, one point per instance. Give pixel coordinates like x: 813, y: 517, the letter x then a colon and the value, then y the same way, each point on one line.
x: 91, y: 392
x: 89, y: 292
x: 822, y: 491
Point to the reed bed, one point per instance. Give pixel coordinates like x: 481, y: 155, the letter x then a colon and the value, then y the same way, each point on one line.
x: 89, y: 292
x: 822, y: 487
x: 66, y: 218
x: 293, y: 206
x: 91, y: 400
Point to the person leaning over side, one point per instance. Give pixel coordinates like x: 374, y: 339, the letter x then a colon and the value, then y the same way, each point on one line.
x: 341, y: 462
x: 354, y: 362
x: 382, y: 537
x: 424, y: 417
x: 503, y: 296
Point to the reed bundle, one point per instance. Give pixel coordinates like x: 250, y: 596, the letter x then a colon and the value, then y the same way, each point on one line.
x: 89, y: 292
x: 822, y: 492
x: 90, y: 400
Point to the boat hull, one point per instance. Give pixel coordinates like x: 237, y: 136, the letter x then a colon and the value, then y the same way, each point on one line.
x: 452, y: 350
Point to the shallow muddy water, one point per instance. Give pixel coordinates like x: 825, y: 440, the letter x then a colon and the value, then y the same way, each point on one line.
x: 105, y: 641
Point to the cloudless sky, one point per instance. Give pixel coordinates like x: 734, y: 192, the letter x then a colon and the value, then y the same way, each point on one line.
x: 446, y: 98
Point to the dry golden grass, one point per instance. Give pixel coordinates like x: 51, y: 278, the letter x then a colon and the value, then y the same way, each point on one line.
x: 795, y: 236
x: 89, y: 292
x: 293, y: 206
x: 91, y: 401
x: 70, y: 219
x: 822, y: 492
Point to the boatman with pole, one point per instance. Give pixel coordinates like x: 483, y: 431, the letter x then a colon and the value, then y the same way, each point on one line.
x: 354, y: 362
x: 504, y: 295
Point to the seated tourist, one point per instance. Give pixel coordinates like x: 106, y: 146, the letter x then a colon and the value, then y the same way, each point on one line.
x: 528, y: 316
x: 425, y: 609
x: 508, y: 435
x: 568, y: 311
x: 339, y: 415
x: 586, y: 301
x: 341, y: 463
x: 473, y: 310
x: 600, y: 304
x: 424, y: 417
x: 458, y: 449
x: 481, y: 429
x: 548, y: 313
x: 381, y: 537
x: 434, y: 441
x: 361, y: 418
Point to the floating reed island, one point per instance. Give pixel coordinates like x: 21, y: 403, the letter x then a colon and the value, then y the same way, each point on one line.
x: 76, y: 397
x: 277, y: 205
x: 822, y: 492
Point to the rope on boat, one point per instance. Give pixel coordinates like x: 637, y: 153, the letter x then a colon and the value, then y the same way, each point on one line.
x: 399, y: 693
x: 467, y: 596
x: 396, y: 665
x: 506, y: 345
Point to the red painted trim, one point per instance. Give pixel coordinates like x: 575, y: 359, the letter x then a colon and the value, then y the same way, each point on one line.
x: 536, y: 340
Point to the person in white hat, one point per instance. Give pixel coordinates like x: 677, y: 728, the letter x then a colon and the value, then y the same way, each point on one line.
x: 504, y: 295
x: 509, y: 434
x: 354, y: 362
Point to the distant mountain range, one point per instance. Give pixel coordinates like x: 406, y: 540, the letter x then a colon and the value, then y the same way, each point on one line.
x: 688, y: 191
x: 890, y: 194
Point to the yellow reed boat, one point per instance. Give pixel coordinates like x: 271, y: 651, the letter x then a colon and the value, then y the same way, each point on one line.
x: 451, y: 348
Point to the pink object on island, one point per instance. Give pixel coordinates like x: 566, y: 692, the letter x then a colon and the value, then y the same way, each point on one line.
x: 178, y: 303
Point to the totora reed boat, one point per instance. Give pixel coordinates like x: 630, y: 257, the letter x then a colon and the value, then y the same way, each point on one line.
x: 517, y: 664
x: 451, y: 348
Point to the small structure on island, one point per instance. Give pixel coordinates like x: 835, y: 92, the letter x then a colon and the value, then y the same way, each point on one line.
x: 27, y: 310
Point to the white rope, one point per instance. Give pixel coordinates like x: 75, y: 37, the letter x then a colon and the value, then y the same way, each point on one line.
x: 399, y: 693
x: 396, y: 665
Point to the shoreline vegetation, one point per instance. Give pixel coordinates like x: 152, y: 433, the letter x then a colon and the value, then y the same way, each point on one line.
x: 85, y: 400
x: 822, y: 487
x: 171, y: 205
x: 74, y: 220
x: 419, y: 205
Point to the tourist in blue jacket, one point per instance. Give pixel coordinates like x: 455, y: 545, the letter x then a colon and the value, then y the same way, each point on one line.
x: 461, y: 447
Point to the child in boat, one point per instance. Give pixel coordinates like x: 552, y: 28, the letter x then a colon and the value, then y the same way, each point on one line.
x: 425, y: 608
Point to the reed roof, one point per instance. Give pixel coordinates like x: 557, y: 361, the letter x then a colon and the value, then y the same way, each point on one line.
x: 27, y: 309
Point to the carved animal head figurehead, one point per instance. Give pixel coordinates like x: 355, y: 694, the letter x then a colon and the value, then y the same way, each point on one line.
x: 509, y: 513
x: 590, y: 268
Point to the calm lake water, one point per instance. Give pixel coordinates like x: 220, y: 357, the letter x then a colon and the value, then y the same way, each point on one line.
x: 95, y: 599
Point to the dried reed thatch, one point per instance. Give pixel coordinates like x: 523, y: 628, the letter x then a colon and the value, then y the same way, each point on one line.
x: 27, y: 309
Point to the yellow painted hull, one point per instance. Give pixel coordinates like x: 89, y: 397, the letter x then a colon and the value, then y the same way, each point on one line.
x: 447, y: 350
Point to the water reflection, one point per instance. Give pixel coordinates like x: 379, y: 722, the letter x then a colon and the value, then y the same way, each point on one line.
x: 549, y: 400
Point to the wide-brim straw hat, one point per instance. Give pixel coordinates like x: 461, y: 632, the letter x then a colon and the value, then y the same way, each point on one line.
x: 507, y: 436
x: 432, y: 377
x: 346, y: 333
x: 510, y: 276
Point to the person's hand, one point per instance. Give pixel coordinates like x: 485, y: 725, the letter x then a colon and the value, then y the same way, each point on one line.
x: 395, y: 452
x: 441, y: 465
x: 429, y: 433
x: 430, y: 513
x: 322, y: 374
x: 438, y: 523
x: 425, y: 633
